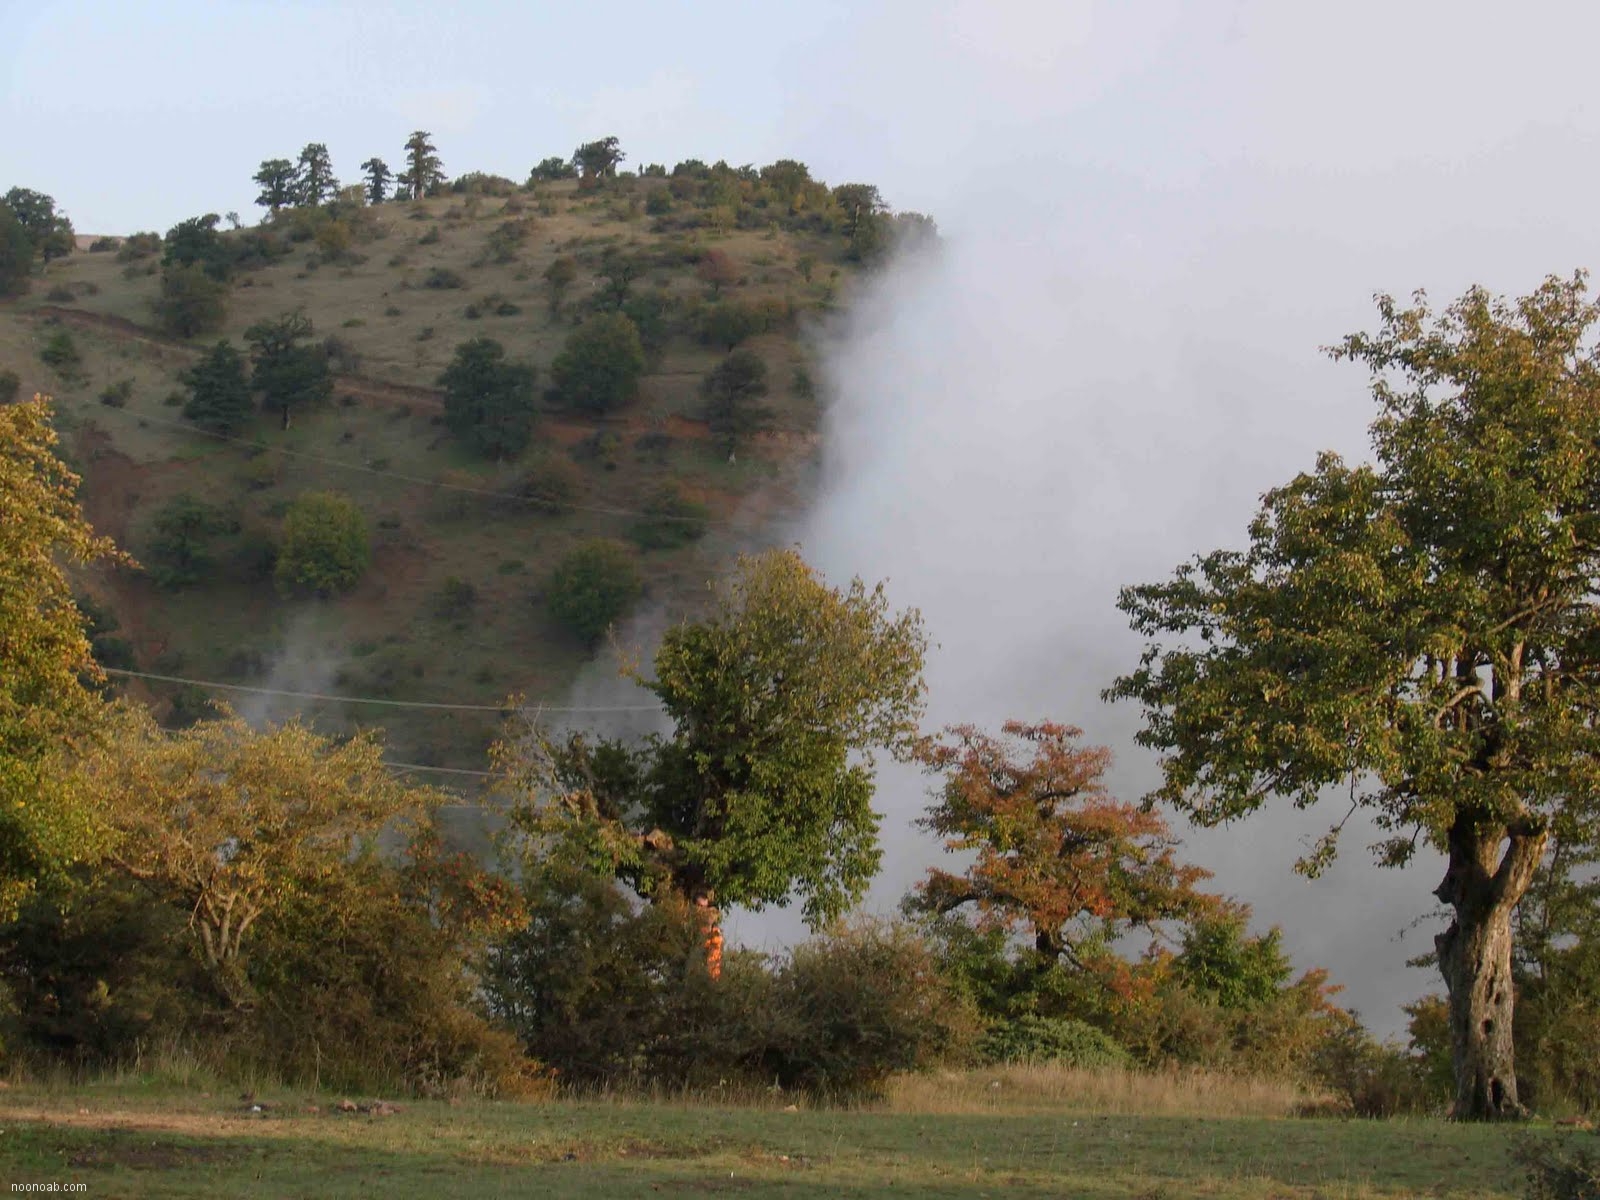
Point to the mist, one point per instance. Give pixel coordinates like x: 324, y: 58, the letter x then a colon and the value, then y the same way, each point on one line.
x: 1152, y: 226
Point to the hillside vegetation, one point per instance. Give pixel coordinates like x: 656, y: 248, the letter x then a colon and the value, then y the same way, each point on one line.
x: 467, y: 513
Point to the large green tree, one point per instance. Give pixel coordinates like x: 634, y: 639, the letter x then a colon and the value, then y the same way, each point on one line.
x: 49, y: 230
x: 488, y: 402
x: 219, y: 392
x: 733, y: 392
x: 762, y: 793
x: 598, y: 159
x: 47, y: 706
x: 16, y: 254
x: 276, y: 179
x: 291, y: 372
x: 325, y: 548
x: 598, y: 369
x: 191, y: 301
x: 1421, y: 631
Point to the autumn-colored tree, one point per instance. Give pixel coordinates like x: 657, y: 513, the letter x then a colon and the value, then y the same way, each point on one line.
x: 717, y: 270
x: 1423, y: 631
x: 232, y: 824
x: 1057, y: 857
x: 47, y: 706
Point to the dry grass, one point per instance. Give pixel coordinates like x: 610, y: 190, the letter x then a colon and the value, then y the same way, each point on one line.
x: 1101, y: 1091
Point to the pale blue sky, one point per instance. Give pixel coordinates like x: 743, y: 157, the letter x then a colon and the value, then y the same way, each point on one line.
x: 1158, y: 211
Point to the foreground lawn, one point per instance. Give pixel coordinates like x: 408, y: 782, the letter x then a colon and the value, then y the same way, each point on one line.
x: 125, y: 1140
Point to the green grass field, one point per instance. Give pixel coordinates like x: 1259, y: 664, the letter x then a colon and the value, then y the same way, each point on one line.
x: 125, y: 1139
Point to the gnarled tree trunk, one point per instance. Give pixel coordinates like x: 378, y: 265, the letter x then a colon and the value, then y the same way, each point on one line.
x: 1475, y: 959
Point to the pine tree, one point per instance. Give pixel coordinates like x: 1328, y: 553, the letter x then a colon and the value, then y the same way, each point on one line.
x: 219, y: 392
x: 422, y: 174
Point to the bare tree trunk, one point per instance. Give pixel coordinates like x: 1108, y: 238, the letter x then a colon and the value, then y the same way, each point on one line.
x: 1475, y: 959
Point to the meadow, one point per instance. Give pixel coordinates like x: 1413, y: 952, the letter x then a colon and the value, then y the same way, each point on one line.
x: 1015, y: 1132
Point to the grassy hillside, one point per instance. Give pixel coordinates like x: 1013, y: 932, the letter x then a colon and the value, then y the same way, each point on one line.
x: 451, y: 609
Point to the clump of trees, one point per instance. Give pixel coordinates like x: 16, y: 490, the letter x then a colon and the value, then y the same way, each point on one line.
x: 31, y: 228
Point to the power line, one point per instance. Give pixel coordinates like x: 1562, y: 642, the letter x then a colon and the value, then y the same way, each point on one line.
x: 556, y: 507
x: 446, y: 770
x: 261, y: 691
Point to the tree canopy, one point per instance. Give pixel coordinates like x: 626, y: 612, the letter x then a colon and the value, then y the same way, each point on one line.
x: 46, y: 704
x: 219, y: 393
x: 325, y: 546
x: 424, y: 172
x: 488, y: 402
x: 277, y: 180
x: 763, y: 791
x: 1421, y: 631
x: 290, y: 371
x: 598, y: 369
x: 48, y: 230
x: 598, y: 159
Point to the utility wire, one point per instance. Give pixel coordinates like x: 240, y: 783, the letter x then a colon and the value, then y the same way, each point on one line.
x: 554, y: 506
x: 447, y: 770
x: 261, y: 691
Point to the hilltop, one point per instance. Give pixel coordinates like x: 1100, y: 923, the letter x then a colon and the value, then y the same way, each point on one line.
x: 454, y: 605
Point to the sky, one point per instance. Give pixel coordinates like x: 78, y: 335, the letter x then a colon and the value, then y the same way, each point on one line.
x: 1155, y: 215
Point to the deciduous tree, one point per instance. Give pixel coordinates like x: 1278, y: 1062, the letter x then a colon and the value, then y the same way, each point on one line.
x: 325, y: 548
x: 733, y: 392
x: 598, y: 160
x: 291, y: 373
x: 598, y: 369
x: 488, y: 402
x: 49, y: 231
x: 1422, y: 631
x: 48, y: 705
x: 762, y: 793
x: 1057, y: 857
x: 279, y: 189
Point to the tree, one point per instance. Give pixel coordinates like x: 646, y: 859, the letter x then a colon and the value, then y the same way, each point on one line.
x: 314, y: 182
x: 16, y: 254
x: 763, y: 791
x: 232, y: 825
x: 192, y: 301
x: 552, y: 169
x: 558, y: 277
x: 179, y: 551
x: 1421, y: 630
x: 422, y: 174
x: 48, y: 230
x: 733, y: 393
x: 48, y: 702
x: 617, y: 271
x: 279, y: 188
x: 598, y: 160
x: 219, y: 393
x: 598, y: 369
x: 378, y: 177
x: 1057, y: 857
x: 861, y: 205
x: 717, y: 270
x: 488, y: 402
x: 196, y: 242
x: 290, y: 373
x: 592, y: 586
x: 727, y: 323
x: 325, y: 549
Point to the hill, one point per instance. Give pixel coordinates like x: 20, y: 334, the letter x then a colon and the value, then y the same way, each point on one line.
x: 453, y: 609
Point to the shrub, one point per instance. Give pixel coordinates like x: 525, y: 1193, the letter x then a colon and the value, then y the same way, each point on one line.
x: 672, y: 520
x: 60, y: 352
x: 552, y: 485
x: 118, y: 394
x: 325, y: 547
x: 60, y: 295
x: 191, y: 301
x: 456, y: 599
x: 444, y: 278
x: 592, y: 587
x: 139, y: 245
x: 1558, y: 1169
x: 488, y: 401
x: 10, y: 384
x: 102, y: 244
x: 430, y: 238
x: 1035, y: 1039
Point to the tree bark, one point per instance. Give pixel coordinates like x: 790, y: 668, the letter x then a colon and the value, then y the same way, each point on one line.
x: 1475, y: 958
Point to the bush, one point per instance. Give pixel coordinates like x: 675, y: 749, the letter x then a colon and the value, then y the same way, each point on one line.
x: 673, y: 520
x: 60, y: 352
x: 552, y: 485
x: 118, y: 394
x: 1558, y: 1170
x: 60, y: 295
x: 137, y: 246
x: 456, y: 599
x: 592, y: 587
x: 1034, y: 1039
x: 325, y: 547
x: 10, y: 385
x: 444, y: 278
x: 101, y: 244
x: 191, y: 301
